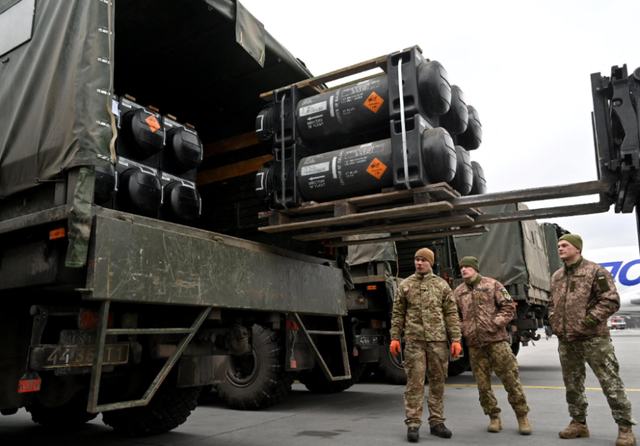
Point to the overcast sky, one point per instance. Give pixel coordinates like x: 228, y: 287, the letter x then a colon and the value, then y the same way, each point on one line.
x: 525, y: 66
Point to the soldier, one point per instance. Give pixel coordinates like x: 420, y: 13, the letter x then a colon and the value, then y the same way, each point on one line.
x: 583, y: 296
x: 486, y: 308
x: 424, y: 307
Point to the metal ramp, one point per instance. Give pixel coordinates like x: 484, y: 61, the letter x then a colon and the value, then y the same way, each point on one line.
x: 343, y: 347
x: 103, y: 331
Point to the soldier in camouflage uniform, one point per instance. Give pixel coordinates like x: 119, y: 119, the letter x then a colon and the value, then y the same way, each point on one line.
x: 583, y: 297
x: 486, y: 308
x: 425, y: 309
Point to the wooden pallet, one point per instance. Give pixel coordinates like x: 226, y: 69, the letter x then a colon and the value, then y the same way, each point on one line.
x: 414, y: 214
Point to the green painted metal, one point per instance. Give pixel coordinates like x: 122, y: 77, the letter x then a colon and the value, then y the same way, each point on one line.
x: 135, y: 259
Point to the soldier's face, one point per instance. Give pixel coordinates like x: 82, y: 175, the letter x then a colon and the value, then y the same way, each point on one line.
x: 422, y: 265
x: 468, y: 273
x: 567, y: 251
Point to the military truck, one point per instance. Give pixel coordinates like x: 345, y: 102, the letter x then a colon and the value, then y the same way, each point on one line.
x: 133, y: 256
x: 113, y: 299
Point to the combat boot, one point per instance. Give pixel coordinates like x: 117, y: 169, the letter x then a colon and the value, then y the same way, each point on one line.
x: 413, y: 434
x: 441, y: 431
x: 575, y: 430
x: 495, y: 425
x: 523, y: 424
x: 625, y: 436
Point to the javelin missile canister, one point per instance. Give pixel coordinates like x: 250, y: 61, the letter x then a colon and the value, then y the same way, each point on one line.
x: 359, y: 112
x: 367, y: 168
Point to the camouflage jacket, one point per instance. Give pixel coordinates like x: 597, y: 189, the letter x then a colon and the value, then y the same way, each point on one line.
x: 584, y: 288
x: 425, y: 308
x: 485, y: 309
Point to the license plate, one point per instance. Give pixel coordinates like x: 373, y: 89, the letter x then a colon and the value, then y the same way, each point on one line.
x: 57, y: 356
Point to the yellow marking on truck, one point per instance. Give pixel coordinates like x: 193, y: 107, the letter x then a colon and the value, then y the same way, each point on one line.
x: 535, y: 387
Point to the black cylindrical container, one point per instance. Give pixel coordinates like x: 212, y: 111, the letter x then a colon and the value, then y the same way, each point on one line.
x: 479, y: 182
x: 439, y: 155
x: 366, y: 169
x: 105, y: 184
x: 337, y: 116
x: 434, y: 88
x: 184, y: 148
x: 455, y: 120
x: 181, y: 203
x: 472, y: 137
x: 346, y: 173
x: 463, y: 180
x: 143, y: 133
x: 139, y: 192
x: 358, y: 112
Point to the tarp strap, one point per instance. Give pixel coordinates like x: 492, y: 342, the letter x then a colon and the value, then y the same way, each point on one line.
x: 403, y: 127
x: 79, y: 223
x: 114, y: 128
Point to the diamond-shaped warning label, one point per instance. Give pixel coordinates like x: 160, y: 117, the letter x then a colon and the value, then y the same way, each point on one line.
x: 373, y: 102
x: 376, y: 168
x: 153, y: 123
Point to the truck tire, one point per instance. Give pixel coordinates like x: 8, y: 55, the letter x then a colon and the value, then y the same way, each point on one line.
x: 259, y: 379
x: 315, y: 381
x: 167, y: 410
x: 391, y: 367
x: 71, y: 414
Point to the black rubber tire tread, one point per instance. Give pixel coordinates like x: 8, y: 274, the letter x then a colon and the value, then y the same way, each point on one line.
x: 315, y: 381
x: 273, y: 382
x: 167, y: 410
x: 387, y: 370
x: 71, y: 414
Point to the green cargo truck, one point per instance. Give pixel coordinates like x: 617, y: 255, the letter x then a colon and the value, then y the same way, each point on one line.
x: 107, y: 310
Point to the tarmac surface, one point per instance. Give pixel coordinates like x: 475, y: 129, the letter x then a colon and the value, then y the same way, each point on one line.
x: 371, y: 413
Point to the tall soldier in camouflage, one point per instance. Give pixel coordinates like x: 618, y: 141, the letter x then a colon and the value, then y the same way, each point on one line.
x: 486, y: 308
x: 425, y: 309
x: 583, y: 297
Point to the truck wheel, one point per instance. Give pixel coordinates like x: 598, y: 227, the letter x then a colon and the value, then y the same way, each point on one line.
x: 391, y: 367
x: 315, y: 381
x: 167, y: 410
x: 71, y: 414
x: 259, y: 379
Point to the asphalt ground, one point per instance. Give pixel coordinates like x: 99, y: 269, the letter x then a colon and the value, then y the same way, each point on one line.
x: 372, y: 413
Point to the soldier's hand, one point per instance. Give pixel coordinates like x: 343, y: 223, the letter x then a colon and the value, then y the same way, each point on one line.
x: 395, y: 347
x: 456, y: 349
x: 590, y: 321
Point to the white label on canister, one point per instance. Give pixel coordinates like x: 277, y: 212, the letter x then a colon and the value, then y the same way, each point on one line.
x: 261, y: 175
x: 313, y: 108
x: 315, y: 168
x: 333, y: 167
x: 333, y: 115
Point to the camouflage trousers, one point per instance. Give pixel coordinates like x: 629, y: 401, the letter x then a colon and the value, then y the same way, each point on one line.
x: 422, y: 357
x: 499, y: 358
x: 600, y: 355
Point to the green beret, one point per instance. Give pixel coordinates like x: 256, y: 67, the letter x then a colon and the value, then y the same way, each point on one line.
x: 574, y: 239
x: 470, y: 261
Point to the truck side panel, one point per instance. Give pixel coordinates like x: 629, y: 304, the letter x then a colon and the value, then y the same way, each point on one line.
x: 152, y: 261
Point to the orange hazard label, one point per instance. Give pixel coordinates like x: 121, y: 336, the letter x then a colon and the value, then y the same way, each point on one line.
x: 153, y: 123
x: 373, y: 102
x: 376, y: 168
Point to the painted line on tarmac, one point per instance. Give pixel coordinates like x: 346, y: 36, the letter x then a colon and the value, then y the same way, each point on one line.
x: 536, y: 387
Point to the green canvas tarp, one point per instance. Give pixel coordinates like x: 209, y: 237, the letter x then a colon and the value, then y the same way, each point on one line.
x: 513, y: 253
x: 53, y: 93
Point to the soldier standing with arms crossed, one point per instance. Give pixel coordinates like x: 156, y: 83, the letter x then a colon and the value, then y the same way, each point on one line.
x: 583, y: 297
x: 425, y: 309
x: 486, y: 308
